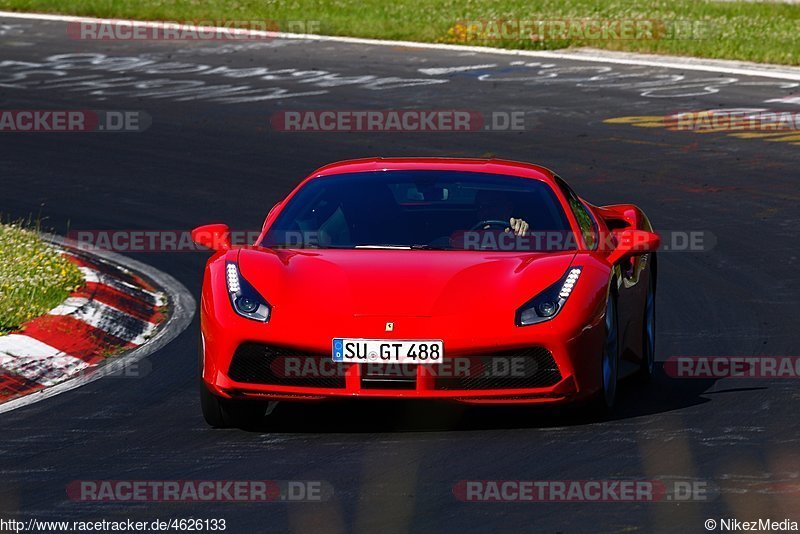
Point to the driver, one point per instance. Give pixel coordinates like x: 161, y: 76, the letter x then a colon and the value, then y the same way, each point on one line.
x: 497, y: 205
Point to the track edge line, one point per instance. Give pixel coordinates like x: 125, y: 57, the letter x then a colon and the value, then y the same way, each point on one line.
x: 720, y: 66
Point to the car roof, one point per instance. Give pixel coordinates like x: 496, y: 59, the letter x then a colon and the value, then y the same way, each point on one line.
x: 490, y: 166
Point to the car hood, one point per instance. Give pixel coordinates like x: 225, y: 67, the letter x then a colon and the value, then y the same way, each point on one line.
x: 398, y: 283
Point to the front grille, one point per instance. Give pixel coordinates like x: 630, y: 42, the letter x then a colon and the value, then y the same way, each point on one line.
x: 256, y: 363
x: 388, y: 376
x: 532, y: 367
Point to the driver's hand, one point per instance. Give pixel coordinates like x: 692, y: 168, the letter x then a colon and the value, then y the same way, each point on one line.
x: 518, y: 226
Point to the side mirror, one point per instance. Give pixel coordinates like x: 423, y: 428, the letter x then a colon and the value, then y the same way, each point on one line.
x: 633, y: 243
x: 213, y: 236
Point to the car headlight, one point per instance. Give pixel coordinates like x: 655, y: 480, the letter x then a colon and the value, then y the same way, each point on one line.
x: 244, y: 298
x: 549, y: 302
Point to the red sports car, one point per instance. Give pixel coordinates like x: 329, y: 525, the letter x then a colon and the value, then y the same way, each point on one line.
x: 479, y: 281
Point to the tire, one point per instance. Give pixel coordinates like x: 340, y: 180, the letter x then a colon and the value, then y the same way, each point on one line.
x: 227, y: 413
x: 213, y: 411
x: 647, y: 368
x: 603, y: 403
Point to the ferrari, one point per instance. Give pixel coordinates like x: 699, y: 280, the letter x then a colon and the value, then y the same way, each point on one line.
x: 470, y: 280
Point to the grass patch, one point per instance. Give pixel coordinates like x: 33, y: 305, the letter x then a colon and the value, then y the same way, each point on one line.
x: 34, y: 277
x: 752, y: 31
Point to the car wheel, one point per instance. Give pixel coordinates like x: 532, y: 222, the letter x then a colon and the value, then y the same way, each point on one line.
x: 649, y: 331
x: 213, y: 411
x: 609, y: 360
x: 226, y: 413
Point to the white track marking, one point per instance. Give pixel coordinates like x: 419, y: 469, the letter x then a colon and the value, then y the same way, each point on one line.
x: 786, y: 100
x: 106, y: 318
x: 94, y: 276
x: 438, y: 71
x: 36, y: 361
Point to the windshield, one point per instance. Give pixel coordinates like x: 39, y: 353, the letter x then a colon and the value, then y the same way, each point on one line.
x: 446, y: 210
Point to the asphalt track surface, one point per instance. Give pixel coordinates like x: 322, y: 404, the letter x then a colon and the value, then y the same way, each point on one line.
x: 393, y: 466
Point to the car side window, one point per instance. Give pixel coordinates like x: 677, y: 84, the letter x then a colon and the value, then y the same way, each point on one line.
x: 585, y: 219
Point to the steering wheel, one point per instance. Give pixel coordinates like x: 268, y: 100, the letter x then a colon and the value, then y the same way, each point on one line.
x: 491, y: 223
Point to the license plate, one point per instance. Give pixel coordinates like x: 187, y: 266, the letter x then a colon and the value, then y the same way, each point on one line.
x: 388, y: 351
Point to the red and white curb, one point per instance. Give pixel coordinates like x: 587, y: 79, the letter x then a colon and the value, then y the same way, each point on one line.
x: 124, y: 308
